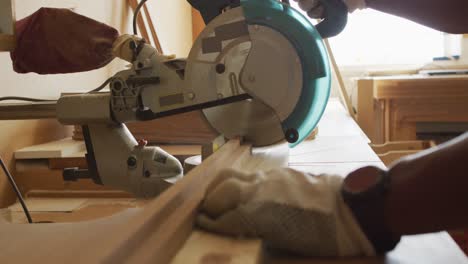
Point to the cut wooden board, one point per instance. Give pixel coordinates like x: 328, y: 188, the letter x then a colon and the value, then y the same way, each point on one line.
x: 206, y: 248
x: 57, y: 149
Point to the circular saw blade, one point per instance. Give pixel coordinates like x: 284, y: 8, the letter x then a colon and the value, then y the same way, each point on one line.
x: 251, y: 119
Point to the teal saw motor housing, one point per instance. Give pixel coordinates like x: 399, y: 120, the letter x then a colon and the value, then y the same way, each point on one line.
x: 315, y: 66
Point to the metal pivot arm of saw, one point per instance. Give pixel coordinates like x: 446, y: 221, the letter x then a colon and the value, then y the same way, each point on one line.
x: 336, y: 13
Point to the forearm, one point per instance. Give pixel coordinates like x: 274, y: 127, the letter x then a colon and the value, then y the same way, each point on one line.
x: 429, y: 191
x: 445, y: 15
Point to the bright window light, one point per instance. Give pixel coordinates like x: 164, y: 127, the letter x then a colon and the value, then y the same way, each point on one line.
x: 376, y: 38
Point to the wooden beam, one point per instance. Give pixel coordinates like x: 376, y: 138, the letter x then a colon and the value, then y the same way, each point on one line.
x: 7, y: 25
x: 341, y: 84
x: 157, y: 43
x: 197, y: 24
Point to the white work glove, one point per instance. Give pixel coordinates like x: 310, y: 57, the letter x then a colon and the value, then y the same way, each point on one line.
x: 315, y: 9
x: 289, y: 210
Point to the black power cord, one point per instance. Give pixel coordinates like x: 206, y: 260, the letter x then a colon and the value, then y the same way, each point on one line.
x: 135, y: 16
x: 15, y: 188
x: 28, y: 99
x: 102, y: 86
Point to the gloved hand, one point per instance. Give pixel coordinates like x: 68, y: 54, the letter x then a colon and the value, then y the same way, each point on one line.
x: 316, y: 10
x: 289, y: 210
x: 60, y: 41
x: 122, y: 48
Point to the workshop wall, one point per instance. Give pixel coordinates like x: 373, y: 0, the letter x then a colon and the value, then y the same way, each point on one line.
x: 173, y: 22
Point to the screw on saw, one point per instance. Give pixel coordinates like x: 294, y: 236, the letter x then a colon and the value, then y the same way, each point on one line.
x: 292, y: 135
x: 220, y: 68
x: 132, y: 162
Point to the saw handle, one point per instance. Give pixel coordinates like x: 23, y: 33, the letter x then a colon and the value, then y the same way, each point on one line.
x: 336, y: 18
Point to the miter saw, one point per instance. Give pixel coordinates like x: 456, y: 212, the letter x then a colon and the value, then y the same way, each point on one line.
x: 258, y: 70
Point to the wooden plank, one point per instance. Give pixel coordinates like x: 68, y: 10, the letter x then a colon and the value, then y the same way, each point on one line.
x: 158, y: 231
x: 176, y: 227
x: 57, y: 149
x: 157, y: 43
x: 206, y: 248
x: 341, y: 84
x: 197, y: 24
x: 420, y: 86
x: 7, y: 25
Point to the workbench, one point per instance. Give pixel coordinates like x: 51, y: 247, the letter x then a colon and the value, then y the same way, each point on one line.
x: 391, y: 108
x: 164, y: 231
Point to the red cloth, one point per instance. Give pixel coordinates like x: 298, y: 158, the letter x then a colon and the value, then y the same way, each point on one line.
x: 60, y: 41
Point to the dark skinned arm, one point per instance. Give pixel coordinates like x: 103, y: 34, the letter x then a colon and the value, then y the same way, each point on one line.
x: 449, y: 16
x: 429, y: 191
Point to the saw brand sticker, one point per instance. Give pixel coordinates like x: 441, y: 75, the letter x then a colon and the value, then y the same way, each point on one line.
x: 173, y: 99
x: 222, y: 33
